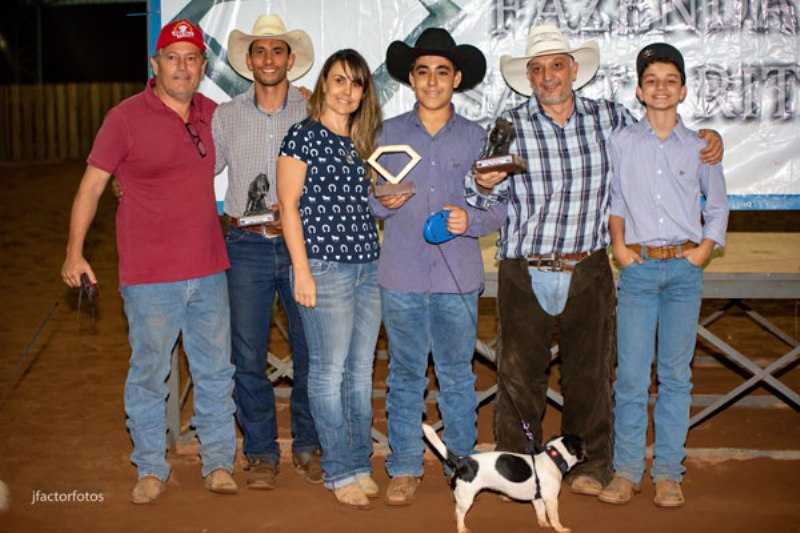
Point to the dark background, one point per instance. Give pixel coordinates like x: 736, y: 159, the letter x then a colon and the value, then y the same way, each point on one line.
x: 42, y: 41
x: 50, y: 41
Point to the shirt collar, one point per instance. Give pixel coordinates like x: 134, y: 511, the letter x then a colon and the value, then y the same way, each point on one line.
x: 150, y: 96
x: 414, y: 115
x: 683, y: 133
x: 154, y: 102
x: 535, y: 108
x: 680, y: 131
x: 292, y: 95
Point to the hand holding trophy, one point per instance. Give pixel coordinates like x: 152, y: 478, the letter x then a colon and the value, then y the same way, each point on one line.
x: 393, y: 185
x: 496, y: 156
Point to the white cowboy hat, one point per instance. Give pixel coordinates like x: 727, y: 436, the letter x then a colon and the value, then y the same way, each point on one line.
x: 546, y: 40
x: 271, y: 27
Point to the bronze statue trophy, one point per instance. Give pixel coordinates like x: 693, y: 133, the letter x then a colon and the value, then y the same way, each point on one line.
x: 393, y: 185
x: 257, y: 211
x: 496, y: 156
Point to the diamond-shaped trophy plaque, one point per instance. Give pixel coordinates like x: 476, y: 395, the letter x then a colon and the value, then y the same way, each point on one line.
x: 393, y: 185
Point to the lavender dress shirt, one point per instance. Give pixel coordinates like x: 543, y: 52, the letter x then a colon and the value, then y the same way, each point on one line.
x: 408, y: 262
x: 657, y: 187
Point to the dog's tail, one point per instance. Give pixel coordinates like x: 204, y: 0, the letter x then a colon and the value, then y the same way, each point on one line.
x: 438, y: 446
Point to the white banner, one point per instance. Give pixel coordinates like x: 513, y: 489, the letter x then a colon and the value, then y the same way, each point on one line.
x: 742, y: 62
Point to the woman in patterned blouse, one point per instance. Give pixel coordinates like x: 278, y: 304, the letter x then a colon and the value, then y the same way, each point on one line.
x: 323, y: 186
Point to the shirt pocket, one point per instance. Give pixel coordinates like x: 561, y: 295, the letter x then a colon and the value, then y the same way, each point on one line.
x: 684, y: 169
x: 456, y: 166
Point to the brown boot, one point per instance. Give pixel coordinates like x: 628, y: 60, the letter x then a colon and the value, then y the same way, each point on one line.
x: 368, y: 485
x: 147, y: 490
x: 221, y: 481
x: 619, y: 491
x: 261, y: 474
x: 352, y: 496
x: 401, y: 490
x: 668, y: 493
x: 307, y: 465
x: 586, y: 485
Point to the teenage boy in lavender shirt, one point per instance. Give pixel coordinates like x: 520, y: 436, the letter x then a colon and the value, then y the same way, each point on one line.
x: 429, y: 293
x: 661, y: 244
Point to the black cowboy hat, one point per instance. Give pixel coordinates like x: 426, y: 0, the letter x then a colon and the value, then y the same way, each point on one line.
x: 437, y: 42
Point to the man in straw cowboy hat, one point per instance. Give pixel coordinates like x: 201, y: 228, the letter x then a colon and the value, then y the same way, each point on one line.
x: 429, y: 302
x: 247, y: 132
x: 554, y: 273
x: 172, y: 257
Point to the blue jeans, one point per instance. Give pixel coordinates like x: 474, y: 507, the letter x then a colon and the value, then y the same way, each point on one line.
x: 664, y: 295
x: 259, y: 269
x: 157, y: 313
x: 341, y: 332
x: 416, y: 325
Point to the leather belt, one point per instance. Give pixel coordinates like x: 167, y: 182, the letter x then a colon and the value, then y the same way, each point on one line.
x: 265, y: 230
x: 663, y: 252
x: 558, y: 262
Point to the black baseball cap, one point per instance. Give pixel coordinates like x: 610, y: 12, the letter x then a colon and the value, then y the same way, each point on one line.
x: 659, y: 52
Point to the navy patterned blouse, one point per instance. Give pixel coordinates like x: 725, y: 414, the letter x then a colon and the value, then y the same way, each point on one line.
x: 334, y: 208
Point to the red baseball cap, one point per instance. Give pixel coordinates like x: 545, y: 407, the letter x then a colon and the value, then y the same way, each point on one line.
x: 180, y: 31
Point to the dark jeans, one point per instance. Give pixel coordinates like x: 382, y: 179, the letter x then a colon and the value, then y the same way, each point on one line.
x: 584, y: 331
x: 259, y: 269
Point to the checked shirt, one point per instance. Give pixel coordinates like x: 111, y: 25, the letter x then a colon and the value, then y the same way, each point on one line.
x: 561, y: 203
x: 248, y: 139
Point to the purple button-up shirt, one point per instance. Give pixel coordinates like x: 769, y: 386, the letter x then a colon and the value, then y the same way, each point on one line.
x: 408, y: 262
x: 657, y: 187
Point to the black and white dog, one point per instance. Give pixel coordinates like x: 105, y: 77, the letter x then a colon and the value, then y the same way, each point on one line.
x: 522, y: 477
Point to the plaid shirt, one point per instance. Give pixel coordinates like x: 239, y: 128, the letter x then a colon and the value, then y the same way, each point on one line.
x: 247, y: 141
x: 561, y: 203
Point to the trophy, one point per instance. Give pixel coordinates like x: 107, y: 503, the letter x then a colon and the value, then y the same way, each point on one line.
x: 496, y: 156
x: 257, y: 211
x: 393, y: 185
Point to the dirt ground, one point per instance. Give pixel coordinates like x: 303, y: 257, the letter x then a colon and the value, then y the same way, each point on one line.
x: 62, y: 423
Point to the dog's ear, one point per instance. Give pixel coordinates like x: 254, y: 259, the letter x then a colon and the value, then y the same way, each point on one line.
x: 574, y: 446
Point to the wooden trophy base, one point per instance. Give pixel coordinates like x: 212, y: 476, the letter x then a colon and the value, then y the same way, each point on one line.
x: 386, y: 189
x: 259, y: 218
x: 502, y: 163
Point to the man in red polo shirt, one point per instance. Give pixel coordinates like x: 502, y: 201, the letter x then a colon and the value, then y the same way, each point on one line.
x: 172, y: 257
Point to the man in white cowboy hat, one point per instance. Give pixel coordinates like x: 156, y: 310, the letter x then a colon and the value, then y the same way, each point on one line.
x: 429, y: 292
x: 554, y: 274
x: 247, y: 132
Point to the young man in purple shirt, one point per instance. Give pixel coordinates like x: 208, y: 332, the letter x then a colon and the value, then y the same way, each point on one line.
x: 661, y: 244
x: 429, y: 293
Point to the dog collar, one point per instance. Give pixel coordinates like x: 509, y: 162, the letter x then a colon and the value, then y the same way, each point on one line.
x: 558, y: 459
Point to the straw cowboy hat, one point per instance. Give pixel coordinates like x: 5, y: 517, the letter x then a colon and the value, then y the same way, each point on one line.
x: 546, y: 40
x: 271, y: 27
x: 437, y: 42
